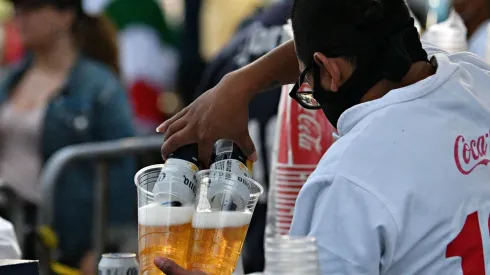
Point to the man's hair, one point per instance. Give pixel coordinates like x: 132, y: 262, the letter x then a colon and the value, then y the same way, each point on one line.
x: 344, y: 26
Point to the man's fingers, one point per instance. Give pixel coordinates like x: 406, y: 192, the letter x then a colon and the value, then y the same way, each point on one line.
x: 246, y: 144
x: 177, y: 140
x: 164, y: 126
x: 175, y: 127
x: 170, y: 268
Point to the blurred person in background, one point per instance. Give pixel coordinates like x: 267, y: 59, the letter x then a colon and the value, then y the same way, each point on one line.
x: 65, y: 92
x: 148, y: 56
x: 476, y: 16
x: 208, y: 26
x: 149, y: 59
x: 191, y: 62
x: 219, y: 20
x: 257, y: 36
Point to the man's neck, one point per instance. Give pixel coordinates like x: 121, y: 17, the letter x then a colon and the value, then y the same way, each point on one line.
x: 419, y: 71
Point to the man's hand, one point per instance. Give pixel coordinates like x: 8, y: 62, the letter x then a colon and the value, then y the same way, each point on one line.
x: 220, y: 113
x: 170, y: 268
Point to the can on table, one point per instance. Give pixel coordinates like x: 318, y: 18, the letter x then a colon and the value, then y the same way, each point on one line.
x: 118, y: 264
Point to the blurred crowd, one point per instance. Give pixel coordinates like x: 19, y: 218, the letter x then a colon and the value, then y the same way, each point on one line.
x: 77, y: 72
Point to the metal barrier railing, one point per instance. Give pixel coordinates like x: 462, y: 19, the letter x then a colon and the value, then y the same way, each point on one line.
x: 100, y: 152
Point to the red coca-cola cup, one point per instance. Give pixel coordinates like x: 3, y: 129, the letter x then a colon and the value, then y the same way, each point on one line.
x: 285, y: 210
x: 284, y: 218
x: 285, y: 201
x: 283, y: 227
x: 303, y: 137
x: 288, y: 190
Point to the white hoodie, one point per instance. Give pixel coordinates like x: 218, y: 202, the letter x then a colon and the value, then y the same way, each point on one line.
x: 406, y: 188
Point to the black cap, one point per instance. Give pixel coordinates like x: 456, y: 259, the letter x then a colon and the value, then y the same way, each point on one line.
x: 188, y: 153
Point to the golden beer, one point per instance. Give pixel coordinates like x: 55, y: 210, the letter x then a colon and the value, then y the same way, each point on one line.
x: 163, y: 231
x: 217, y: 240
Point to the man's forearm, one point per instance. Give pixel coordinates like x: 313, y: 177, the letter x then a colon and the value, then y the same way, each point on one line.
x: 278, y: 67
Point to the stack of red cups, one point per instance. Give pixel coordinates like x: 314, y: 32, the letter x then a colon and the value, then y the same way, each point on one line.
x: 304, y: 137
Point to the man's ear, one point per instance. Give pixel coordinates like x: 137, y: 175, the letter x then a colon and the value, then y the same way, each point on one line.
x: 331, y: 70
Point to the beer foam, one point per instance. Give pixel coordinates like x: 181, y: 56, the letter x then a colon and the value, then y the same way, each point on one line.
x: 158, y: 215
x: 221, y: 219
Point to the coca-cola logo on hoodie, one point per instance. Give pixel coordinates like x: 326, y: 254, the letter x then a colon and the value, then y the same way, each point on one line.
x: 471, y: 153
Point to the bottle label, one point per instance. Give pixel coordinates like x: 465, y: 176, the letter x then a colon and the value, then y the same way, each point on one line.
x: 232, y: 166
x: 229, y: 192
x: 227, y: 156
x: 177, y: 183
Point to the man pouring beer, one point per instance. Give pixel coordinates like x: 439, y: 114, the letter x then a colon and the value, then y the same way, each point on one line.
x: 405, y: 188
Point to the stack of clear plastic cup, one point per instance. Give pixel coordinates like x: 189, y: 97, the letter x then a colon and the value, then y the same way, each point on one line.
x: 449, y: 35
x: 286, y: 255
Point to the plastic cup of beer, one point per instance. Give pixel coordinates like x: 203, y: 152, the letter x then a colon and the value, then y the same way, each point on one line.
x: 163, y: 230
x: 224, y: 206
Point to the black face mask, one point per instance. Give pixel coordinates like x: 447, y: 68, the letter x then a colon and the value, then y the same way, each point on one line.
x: 392, y: 61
